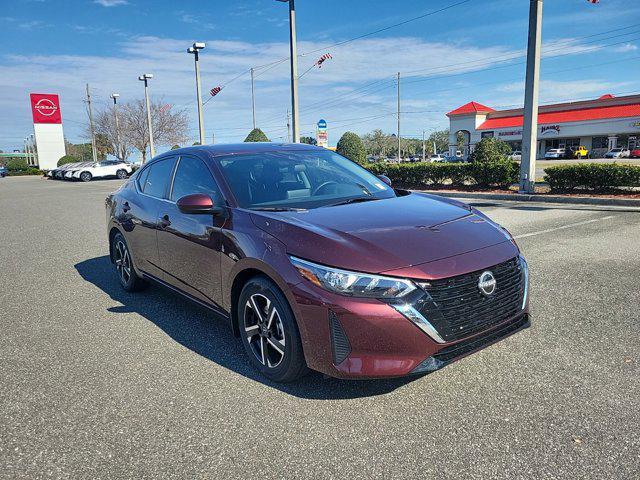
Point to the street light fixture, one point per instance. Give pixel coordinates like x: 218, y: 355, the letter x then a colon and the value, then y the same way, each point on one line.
x: 115, y: 114
x: 294, y: 69
x: 194, y: 51
x: 145, y: 78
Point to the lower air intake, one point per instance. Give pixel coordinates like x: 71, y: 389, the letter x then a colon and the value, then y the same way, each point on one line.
x: 339, y: 342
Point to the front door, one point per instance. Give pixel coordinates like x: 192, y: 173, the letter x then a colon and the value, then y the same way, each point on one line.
x: 189, y: 244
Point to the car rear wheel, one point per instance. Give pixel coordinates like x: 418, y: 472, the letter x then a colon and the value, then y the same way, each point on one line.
x: 86, y: 176
x: 127, y: 275
x: 269, y: 331
x: 121, y: 174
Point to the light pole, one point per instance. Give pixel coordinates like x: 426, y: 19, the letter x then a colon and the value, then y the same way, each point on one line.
x: 115, y: 114
x: 530, y: 127
x: 34, y: 149
x: 424, y: 148
x: 294, y: 70
x: 399, y: 156
x: 194, y: 51
x: 145, y: 78
x: 253, y: 100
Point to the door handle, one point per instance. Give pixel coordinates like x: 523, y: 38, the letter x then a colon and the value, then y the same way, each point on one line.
x: 126, y: 207
x: 164, y: 221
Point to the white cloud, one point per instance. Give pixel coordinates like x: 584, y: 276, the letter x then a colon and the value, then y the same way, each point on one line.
x: 556, y: 90
x: 111, y: 3
x: 627, y: 47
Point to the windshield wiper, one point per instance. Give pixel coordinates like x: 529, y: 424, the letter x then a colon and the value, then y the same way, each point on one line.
x: 278, y: 209
x: 352, y: 200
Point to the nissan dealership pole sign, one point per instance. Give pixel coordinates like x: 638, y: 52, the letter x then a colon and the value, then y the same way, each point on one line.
x: 47, y: 125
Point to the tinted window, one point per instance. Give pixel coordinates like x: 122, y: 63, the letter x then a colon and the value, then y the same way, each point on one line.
x: 299, y: 179
x: 158, y: 178
x: 193, y: 176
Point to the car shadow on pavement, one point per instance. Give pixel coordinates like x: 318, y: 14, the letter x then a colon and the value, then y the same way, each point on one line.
x: 210, y: 336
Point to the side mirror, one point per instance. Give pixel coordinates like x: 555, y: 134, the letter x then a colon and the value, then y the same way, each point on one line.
x: 197, y: 203
x: 385, y: 179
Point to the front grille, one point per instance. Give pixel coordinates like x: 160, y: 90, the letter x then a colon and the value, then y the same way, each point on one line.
x: 447, y: 354
x: 459, y: 309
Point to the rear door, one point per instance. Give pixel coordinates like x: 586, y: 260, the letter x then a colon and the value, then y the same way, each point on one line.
x: 189, y: 244
x: 152, y: 187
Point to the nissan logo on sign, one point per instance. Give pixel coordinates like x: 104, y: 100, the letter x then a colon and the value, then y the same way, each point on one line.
x: 45, y: 108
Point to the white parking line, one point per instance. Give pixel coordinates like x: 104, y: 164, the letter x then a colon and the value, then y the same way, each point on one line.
x: 540, y: 232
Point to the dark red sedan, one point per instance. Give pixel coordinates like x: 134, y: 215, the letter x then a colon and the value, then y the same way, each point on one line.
x: 315, y: 262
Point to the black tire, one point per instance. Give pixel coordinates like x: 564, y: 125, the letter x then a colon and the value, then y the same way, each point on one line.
x: 121, y: 174
x: 121, y: 258
x: 279, y: 367
x: 86, y: 176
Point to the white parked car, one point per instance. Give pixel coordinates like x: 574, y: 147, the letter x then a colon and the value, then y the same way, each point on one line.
x: 554, y: 153
x: 437, y: 157
x: 618, y: 153
x: 516, y: 155
x: 105, y: 168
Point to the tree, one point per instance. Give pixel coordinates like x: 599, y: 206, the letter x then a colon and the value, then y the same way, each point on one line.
x: 308, y: 140
x: 441, y: 139
x: 377, y: 142
x: 107, y: 136
x: 170, y: 127
x: 350, y: 145
x: 256, y: 135
x: 490, y: 150
x: 175, y: 147
x: 67, y: 159
x: 81, y: 152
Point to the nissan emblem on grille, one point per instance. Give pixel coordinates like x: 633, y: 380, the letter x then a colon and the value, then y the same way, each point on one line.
x: 487, y: 283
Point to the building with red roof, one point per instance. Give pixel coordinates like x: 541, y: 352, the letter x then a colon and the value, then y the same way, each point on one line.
x: 599, y: 125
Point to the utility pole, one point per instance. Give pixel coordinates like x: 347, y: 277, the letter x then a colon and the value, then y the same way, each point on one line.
x: 253, y: 100
x: 213, y: 138
x: 93, y: 134
x: 115, y: 114
x: 194, y: 51
x: 144, y: 78
x: 399, y: 157
x: 530, y: 128
x: 424, y: 149
x: 288, y: 127
x: 294, y: 69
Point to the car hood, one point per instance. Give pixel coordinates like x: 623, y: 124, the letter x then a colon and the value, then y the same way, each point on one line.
x: 381, y: 235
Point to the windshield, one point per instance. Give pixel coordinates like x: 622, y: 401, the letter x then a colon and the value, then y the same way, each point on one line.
x: 299, y: 179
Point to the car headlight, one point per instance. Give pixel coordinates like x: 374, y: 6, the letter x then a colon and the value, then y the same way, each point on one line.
x: 353, y: 284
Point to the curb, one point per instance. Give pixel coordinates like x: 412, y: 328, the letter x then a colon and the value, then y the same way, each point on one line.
x: 608, y: 201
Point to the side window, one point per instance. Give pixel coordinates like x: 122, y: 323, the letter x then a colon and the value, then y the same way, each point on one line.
x: 193, y: 176
x: 141, y: 178
x: 158, y: 177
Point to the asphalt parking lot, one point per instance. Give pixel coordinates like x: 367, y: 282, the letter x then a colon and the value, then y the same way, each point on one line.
x: 99, y: 383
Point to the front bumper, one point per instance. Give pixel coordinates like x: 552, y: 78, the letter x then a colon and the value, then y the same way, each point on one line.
x: 349, y: 337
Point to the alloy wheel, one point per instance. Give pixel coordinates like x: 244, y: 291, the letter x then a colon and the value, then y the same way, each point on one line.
x: 123, y: 261
x: 264, y: 330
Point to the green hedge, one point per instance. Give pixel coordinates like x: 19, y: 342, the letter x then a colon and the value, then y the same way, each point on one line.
x: 429, y: 175
x: 28, y: 171
x: 593, y: 176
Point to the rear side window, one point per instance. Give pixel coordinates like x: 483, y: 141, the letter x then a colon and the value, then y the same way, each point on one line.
x: 156, y: 181
x: 193, y: 176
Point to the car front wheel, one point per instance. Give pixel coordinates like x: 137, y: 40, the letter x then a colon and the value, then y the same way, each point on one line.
x: 121, y: 174
x: 85, y: 177
x: 269, y: 331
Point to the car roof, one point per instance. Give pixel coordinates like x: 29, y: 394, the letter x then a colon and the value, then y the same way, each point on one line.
x: 242, y: 148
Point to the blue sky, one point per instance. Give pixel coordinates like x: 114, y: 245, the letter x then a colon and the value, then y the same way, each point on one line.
x: 469, y: 52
